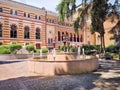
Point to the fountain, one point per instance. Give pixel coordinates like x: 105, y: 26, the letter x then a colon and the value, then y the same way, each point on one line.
x: 83, y: 53
x: 41, y: 54
x: 78, y: 53
x: 54, y: 54
x: 33, y: 55
x: 63, y: 63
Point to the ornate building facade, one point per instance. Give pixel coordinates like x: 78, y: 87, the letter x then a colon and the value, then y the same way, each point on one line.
x: 25, y: 24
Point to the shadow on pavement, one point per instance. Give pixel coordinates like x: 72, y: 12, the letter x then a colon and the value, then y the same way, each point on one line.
x: 8, y: 62
x: 66, y: 82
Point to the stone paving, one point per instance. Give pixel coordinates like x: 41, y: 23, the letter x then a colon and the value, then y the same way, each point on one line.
x: 14, y: 76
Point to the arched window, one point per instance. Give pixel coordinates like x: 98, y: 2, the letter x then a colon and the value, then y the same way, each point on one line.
x: 37, y: 33
x: 62, y: 35
x: 35, y: 16
x: 74, y: 38
x: 16, y: 13
x: 28, y: 15
x: 0, y: 30
x: 11, y: 11
x: 1, y: 10
x: 13, y: 31
x: 38, y: 46
x: 58, y: 36
x: 39, y: 17
x: 26, y: 32
x: 24, y: 14
x: 78, y: 38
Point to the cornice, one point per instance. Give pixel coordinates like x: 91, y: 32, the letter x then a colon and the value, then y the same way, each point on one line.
x: 23, y: 6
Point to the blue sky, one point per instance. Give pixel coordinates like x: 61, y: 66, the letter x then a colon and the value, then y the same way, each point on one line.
x: 48, y: 4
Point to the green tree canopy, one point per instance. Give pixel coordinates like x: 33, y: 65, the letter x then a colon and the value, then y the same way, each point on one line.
x: 98, y: 10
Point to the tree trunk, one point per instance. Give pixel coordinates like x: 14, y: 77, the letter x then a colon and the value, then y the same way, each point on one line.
x: 103, y: 44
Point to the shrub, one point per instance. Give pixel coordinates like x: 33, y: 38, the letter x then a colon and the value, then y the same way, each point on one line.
x: 44, y: 50
x: 112, y: 49
x: 37, y: 51
x: 91, y: 49
x: 4, y: 50
x: 30, y: 48
x: 116, y: 55
x: 108, y: 56
x: 62, y: 48
x: 15, y: 47
x: 74, y: 49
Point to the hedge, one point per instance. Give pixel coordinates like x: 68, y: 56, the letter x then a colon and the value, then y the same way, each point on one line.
x: 30, y: 48
x: 10, y: 49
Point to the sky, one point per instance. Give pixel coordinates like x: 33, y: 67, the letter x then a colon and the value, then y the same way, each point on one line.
x: 48, y: 4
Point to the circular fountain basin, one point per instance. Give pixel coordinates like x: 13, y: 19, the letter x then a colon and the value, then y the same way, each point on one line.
x: 62, y: 66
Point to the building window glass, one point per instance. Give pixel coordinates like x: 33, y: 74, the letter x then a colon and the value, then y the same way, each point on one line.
x: 38, y: 46
x: 26, y: 32
x: 71, y: 37
x: 77, y: 38
x: 36, y: 17
x: 39, y: 17
x: 24, y: 14
x: 16, y: 13
x: 28, y: 15
x: 37, y: 33
x: 11, y: 11
x: 58, y: 36
x: 13, y: 31
x: 62, y: 35
x: 0, y: 30
x: 74, y: 38
x: 1, y: 10
x: 0, y: 43
x: 50, y: 41
x: 46, y: 20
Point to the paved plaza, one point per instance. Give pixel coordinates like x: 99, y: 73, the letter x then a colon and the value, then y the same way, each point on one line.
x: 14, y: 76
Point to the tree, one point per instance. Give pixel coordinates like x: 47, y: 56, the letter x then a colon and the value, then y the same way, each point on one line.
x: 98, y: 10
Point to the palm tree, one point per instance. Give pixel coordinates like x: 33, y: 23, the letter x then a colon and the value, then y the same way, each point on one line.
x: 97, y: 9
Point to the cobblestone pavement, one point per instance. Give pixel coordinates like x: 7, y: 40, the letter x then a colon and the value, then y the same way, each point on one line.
x: 14, y: 76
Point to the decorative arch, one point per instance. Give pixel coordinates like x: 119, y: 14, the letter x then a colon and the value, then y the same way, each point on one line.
x: 26, y: 32
x: 38, y: 33
x: 13, y: 31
